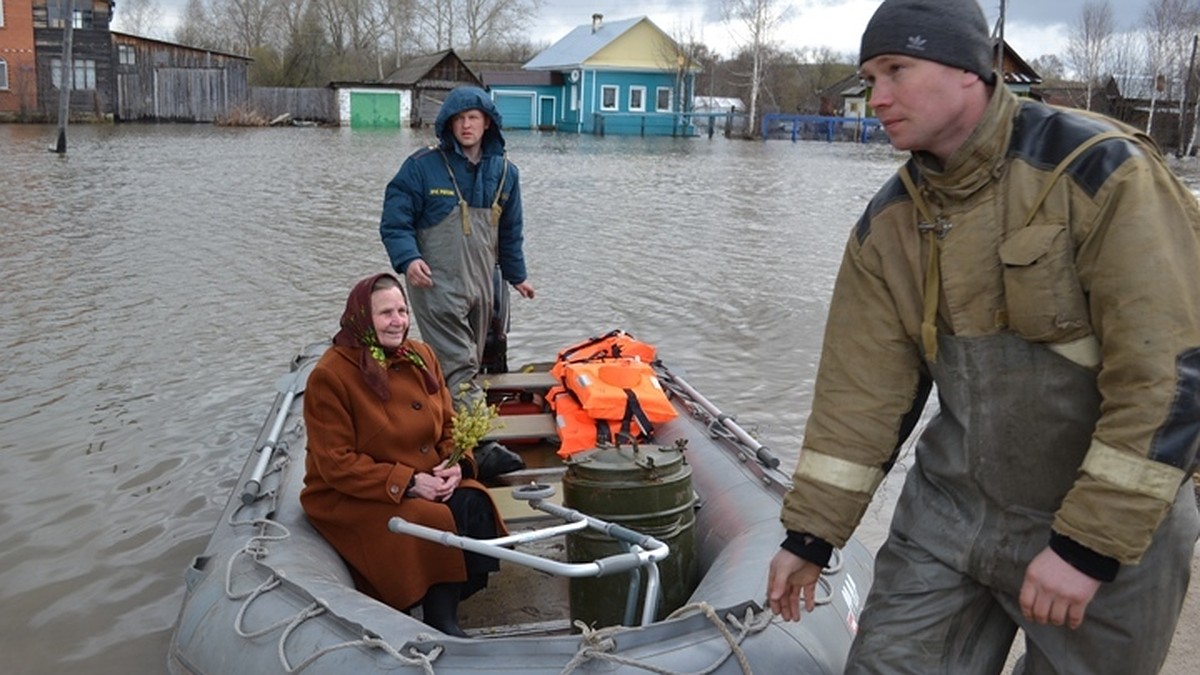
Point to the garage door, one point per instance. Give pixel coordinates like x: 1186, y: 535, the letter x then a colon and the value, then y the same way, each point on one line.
x: 370, y: 109
x: 516, y: 110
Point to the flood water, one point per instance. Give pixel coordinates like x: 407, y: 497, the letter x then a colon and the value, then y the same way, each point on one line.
x: 156, y: 280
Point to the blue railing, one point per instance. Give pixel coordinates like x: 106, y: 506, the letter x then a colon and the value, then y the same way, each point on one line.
x: 859, y: 129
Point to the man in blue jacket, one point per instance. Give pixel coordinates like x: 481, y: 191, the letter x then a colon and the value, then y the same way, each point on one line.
x: 450, y: 214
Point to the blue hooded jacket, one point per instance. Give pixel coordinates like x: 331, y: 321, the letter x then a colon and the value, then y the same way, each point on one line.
x: 421, y: 194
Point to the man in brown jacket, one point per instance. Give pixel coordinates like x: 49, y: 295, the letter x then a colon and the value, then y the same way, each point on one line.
x: 1042, y: 269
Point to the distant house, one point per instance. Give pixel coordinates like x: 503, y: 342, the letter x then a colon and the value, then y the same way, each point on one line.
x: 1019, y: 76
x: 163, y: 81
x: 91, y: 86
x: 427, y: 79
x: 719, y: 112
x: 620, y: 77
x: 18, y: 67
x: 111, y: 75
x: 1135, y: 99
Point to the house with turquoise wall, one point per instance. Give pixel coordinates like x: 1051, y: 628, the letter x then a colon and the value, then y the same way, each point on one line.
x: 623, y: 77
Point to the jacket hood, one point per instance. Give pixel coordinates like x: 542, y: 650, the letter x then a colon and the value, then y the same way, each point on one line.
x: 467, y: 98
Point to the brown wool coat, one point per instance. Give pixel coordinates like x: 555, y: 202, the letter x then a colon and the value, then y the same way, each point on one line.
x: 362, y: 451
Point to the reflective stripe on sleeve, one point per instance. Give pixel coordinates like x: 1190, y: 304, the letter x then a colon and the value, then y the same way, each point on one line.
x: 1132, y: 473
x: 1085, y: 351
x: 838, y: 472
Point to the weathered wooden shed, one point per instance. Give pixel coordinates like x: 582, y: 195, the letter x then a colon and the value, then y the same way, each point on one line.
x: 430, y: 78
x: 157, y: 80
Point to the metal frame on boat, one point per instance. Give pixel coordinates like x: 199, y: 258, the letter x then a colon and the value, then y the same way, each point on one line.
x: 269, y: 595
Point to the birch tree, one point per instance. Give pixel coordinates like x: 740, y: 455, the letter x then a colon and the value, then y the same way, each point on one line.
x: 1169, y: 25
x: 1088, y: 42
x: 753, y: 23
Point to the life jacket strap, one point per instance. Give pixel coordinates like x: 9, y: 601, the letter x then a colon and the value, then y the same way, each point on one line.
x: 633, y: 410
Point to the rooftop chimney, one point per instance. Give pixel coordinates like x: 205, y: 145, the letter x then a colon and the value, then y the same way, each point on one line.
x: 596, y: 19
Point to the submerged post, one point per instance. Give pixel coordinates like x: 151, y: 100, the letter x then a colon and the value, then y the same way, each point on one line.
x: 65, y: 80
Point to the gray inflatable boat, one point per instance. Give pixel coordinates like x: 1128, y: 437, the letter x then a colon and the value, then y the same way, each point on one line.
x: 626, y: 559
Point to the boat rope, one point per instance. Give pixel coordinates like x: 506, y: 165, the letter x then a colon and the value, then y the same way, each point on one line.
x: 598, y: 644
x: 424, y: 661
x: 256, y: 548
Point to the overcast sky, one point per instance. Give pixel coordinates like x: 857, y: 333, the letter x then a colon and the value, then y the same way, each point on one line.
x: 1033, y: 27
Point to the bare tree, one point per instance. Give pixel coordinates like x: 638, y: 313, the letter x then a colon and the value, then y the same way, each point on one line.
x: 435, y: 21
x: 1169, y: 26
x: 139, y: 17
x: 681, y: 55
x: 1050, y: 67
x: 754, y: 23
x: 198, y: 28
x: 247, y: 22
x: 1088, y: 41
x: 486, y: 23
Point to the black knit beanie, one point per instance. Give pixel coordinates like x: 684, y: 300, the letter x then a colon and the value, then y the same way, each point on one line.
x: 951, y: 32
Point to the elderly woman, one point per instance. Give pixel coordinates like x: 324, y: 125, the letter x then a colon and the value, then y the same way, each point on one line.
x: 379, y: 434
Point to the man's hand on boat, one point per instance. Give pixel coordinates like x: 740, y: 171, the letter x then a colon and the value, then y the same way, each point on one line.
x: 438, y: 486
x: 791, y: 578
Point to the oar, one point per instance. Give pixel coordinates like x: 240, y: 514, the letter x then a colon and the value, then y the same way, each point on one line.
x: 762, y: 452
x: 290, y: 385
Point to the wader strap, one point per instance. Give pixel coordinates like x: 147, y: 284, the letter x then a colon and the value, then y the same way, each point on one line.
x: 496, y: 208
x: 1062, y: 166
x: 463, y: 208
x: 936, y: 228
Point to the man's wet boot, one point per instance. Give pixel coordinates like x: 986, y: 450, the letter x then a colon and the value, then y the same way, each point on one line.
x: 440, y: 608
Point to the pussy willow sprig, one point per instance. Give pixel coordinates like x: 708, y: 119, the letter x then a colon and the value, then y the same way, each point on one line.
x: 472, y: 420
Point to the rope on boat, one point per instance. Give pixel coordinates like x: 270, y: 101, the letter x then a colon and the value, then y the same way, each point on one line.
x: 425, y: 661
x: 256, y: 548
x: 598, y: 644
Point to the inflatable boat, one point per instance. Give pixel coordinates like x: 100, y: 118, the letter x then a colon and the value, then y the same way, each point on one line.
x: 643, y: 557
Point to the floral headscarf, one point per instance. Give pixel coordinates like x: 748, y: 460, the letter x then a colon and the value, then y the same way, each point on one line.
x: 358, y: 331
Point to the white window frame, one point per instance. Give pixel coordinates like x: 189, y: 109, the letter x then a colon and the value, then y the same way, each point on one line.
x: 3, y: 72
x: 670, y: 99
x: 83, y: 74
x: 574, y: 97
x: 126, y: 55
x: 616, y: 97
x: 640, y: 92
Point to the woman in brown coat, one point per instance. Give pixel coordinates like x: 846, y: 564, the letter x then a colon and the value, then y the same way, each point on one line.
x: 379, y: 433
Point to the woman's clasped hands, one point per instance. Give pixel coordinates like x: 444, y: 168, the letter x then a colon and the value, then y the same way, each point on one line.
x: 439, y: 485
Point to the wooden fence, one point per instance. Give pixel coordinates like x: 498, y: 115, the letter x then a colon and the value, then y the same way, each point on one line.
x: 316, y: 104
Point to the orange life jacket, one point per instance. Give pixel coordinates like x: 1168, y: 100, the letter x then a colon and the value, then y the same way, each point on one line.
x: 577, y: 430
x: 607, y: 388
x: 609, y: 393
x: 614, y: 344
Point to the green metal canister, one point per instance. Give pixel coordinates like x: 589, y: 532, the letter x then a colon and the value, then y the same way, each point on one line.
x: 648, y: 490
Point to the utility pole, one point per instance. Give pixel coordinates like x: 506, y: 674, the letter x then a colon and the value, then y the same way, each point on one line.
x: 1000, y: 42
x: 66, y: 79
x: 1187, y: 94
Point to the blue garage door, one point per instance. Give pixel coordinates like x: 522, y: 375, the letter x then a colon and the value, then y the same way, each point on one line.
x: 516, y: 110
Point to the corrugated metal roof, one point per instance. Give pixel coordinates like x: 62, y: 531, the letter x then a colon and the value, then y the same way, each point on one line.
x: 579, y: 45
x: 539, y: 78
x: 416, y: 68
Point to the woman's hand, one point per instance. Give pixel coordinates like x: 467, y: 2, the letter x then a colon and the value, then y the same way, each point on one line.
x: 451, y: 477
x: 438, y: 486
